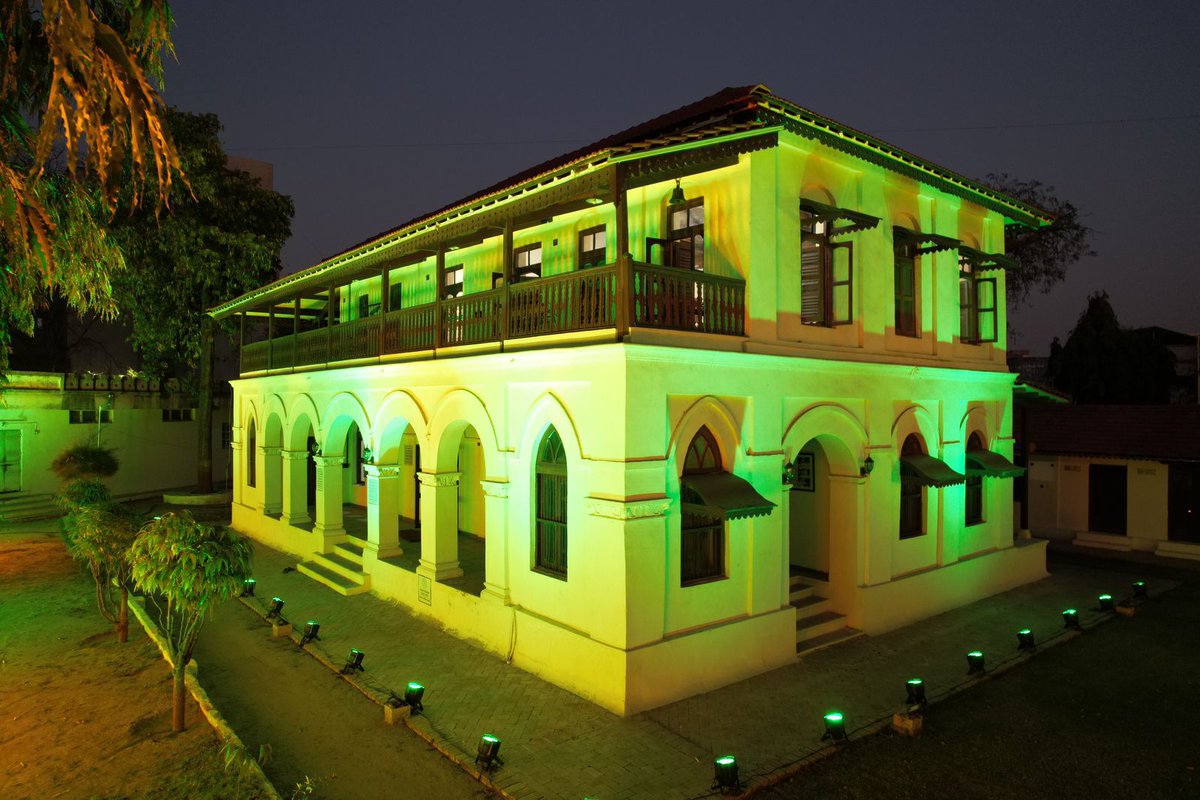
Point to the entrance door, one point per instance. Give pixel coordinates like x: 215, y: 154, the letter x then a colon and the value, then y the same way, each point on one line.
x: 809, y: 512
x: 1183, y: 503
x: 1107, y: 498
x: 10, y: 461
x: 417, y: 486
x: 310, y: 490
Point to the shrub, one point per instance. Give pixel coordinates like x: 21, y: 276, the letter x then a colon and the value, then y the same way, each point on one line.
x: 84, y: 461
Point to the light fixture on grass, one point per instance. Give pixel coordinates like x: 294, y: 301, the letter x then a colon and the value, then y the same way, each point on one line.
x: 725, y: 774
x: 835, y: 727
x: 975, y: 663
x: 311, y: 629
x: 1071, y: 619
x: 1139, y: 590
x: 1106, y: 602
x: 354, y: 661
x: 275, y: 611
x: 914, y: 689
x: 1025, y: 640
x: 248, y: 587
x: 488, y: 752
x: 412, y: 696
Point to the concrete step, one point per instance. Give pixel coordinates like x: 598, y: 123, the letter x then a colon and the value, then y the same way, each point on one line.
x: 348, y: 568
x: 351, y: 551
x: 335, y: 580
x: 801, y: 592
x: 19, y: 506
x: 818, y: 625
x: 810, y: 606
x: 843, y: 634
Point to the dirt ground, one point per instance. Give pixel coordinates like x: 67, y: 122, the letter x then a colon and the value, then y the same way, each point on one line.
x: 82, y: 716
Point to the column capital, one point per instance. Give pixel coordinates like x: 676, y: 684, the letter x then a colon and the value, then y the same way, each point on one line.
x: 628, y: 509
x: 439, y: 478
x: 382, y: 470
x: 270, y: 450
x: 495, y: 488
x: 294, y: 455
x: 329, y: 461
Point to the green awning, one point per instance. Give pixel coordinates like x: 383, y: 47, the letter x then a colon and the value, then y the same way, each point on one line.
x: 858, y: 220
x: 928, y: 471
x: 984, y: 260
x: 991, y: 465
x: 926, y: 242
x: 734, y: 497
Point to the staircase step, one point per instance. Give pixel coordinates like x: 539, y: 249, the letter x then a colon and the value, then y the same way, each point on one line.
x: 843, y: 634
x: 818, y: 625
x: 18, y: 507
x: 803, y: 592
x: 334, y: 580
x: 810, y: 606
x: 351, y: 551
x: 335, y: 562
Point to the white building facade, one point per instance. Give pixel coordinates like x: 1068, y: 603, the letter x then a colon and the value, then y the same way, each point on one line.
x: 657, y: 415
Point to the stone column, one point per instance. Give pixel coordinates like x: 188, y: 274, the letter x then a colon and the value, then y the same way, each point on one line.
x: 439, y: 525
x: 628, y: 540
x: 328, y: 524
x: 383, y: 511
x: 270, y: 479
x: 237, y: 476
x: 495, y: 582
x: 295, y: 499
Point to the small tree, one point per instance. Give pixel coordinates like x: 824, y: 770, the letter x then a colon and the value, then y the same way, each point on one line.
x: 99, y: 532
x: 190, y: 567
x: 85, y: 461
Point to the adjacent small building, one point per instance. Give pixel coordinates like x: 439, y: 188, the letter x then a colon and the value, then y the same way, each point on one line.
x: 655, y: 415
x: 1116, y: 477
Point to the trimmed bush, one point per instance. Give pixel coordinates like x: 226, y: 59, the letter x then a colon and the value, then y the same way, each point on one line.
x: 85, y: 461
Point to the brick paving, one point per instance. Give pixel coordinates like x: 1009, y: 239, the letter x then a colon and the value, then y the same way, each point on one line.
x: 555, y: 744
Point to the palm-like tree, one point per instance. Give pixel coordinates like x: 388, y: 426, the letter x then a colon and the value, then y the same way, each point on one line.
x: 186, y: 568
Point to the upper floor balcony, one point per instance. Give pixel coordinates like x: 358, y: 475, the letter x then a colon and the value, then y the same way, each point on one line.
x: 306, y: 334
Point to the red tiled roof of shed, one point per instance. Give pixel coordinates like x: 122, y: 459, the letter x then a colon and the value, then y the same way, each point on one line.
x: 1149, y: 432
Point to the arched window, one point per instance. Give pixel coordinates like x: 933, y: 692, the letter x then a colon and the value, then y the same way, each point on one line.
x: 912, y: 517
x: 550, y: 501
x: 702, y: 540
x: 973, y: 504
x: 251, y: 456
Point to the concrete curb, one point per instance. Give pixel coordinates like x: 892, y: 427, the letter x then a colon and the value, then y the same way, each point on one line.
x: 196, y: 499
x: 210, y: 711
x: 425, y: 731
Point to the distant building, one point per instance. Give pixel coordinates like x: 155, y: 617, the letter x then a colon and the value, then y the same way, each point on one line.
x: 152, y: 432
x: 1185, y: 347
x: 1116, y: 477
x: 651, y: 417
x: 1029, y: 368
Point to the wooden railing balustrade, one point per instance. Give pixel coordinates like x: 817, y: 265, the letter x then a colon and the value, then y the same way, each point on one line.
x: 588, y: 299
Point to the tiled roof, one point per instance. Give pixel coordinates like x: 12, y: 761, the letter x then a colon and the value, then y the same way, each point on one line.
x: 1150, y: 432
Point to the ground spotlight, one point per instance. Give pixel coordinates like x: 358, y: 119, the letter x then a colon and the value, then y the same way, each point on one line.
x: 1071, y: 619
x: 1106, y: 602
x: 1025, y: 640
x: 914, y: 689
x: 488, y: 752
x: 725, y: 773
x: 311, y: 629
x: 975, y: 662
x: 835, y: 727
x: 1139, y: 590
x: 248, y: 587
x: 353, y: 661
x: 412, y: 696
x: 276, y: 609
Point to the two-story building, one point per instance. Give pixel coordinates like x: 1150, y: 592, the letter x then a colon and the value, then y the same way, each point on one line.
x: 658, y: 414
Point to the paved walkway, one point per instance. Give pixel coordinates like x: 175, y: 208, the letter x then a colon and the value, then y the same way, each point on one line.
x: 558, y: 745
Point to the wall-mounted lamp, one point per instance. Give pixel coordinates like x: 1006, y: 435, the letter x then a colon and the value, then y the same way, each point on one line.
x: 789, y: 474
x: 677, y: 197
x: 868, y: 466
x: 594, y: 201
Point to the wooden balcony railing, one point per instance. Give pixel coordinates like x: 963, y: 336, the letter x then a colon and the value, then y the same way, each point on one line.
x: 589, y: 299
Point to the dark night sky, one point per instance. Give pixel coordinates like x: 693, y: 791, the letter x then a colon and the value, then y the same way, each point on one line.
x: 374, y: 112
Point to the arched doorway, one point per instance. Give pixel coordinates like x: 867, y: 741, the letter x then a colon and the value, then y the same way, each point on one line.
x: 809, y: 512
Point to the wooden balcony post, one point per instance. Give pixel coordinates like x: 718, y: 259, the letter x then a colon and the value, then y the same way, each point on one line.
x: 241, y: 341
x: 383, y: 308
x: 271, y: 336
x: 295, y: 331
x: 439, y: 266
x: 329, y: 327
x: 507, y: 261
x: 624, y: 286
